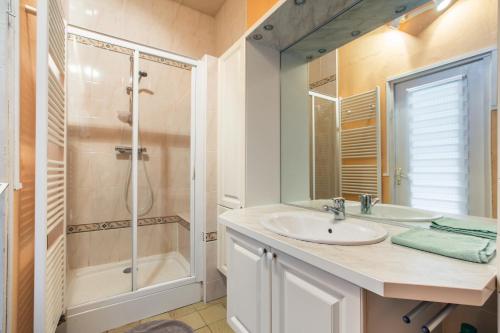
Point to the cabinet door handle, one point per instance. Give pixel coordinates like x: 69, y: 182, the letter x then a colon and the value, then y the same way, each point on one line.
x: 271, y: 256
x: 261, y: 251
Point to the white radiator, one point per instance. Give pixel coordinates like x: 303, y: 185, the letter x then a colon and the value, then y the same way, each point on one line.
x: 50, y: 197
x: 360, y: 144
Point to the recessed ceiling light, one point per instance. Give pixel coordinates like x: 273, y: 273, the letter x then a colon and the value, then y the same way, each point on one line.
x: 300, y: 2
x: 355, y: 33
x: 268, y: 27
x: 322, y: 50
x: 257, y: 36
x: 400, y: 9
x: 442, y: 4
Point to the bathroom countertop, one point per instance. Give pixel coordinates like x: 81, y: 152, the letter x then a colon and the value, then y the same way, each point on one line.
x: 384, y: 268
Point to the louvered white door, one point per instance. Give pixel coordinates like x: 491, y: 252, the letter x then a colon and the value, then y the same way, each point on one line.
x: 50, y: 181
x: 442, y: 141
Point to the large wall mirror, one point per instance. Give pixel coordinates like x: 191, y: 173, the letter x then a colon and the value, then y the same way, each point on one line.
x: 405, y: 111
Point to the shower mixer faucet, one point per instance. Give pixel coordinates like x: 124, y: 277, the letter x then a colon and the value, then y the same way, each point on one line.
x: 128, y: 150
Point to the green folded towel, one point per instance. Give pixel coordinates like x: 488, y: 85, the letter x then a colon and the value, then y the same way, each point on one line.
x: 448, y: 244
x: 469, y: 227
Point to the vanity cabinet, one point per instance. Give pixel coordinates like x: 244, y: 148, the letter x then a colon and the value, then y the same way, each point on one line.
x: 269, y: 291
x: 248, y: 285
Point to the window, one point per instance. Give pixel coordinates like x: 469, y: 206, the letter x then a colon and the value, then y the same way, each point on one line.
x: 438, y: 146
x: 442, y: 138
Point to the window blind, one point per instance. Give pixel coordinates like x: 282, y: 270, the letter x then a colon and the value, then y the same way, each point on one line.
x: 438, y: 146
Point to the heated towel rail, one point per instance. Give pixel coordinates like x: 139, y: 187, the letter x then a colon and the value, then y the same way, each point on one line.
x: 360, y: 145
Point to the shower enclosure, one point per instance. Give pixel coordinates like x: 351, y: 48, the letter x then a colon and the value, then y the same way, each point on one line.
x: 131, y: 156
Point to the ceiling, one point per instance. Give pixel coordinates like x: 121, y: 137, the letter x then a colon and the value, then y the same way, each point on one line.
x: 210, y: 7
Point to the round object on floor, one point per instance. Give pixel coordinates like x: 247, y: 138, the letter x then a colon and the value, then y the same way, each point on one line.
x: 162, y: 326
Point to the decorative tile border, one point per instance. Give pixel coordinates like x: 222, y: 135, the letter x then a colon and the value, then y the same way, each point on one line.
x: 184, y: 223
x: 99, y: 44
x: 211, y: 236
x: 322, y: 82
x: 165, y: 61
x: 76, y: 228
x: 127, y: 51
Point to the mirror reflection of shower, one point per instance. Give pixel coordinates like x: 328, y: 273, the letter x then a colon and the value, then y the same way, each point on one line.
x: 126, y: 117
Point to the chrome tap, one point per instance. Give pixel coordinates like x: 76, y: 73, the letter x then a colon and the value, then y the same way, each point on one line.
x: 367, y: 203
x: 338, y: 208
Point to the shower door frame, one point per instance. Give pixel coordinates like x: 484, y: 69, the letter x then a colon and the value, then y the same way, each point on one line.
x: 197, y: 196
x: 313, y: 94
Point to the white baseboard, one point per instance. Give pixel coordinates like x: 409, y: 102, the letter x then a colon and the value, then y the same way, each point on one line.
x: 115, y: 315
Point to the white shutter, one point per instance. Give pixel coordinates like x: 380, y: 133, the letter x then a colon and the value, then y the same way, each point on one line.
x: 438, y: 145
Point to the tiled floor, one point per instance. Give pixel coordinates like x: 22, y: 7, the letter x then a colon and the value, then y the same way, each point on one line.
x: 203, y: 318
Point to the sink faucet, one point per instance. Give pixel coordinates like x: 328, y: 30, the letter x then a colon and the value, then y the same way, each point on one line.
x: 338, y: 208
x: 367, y: 203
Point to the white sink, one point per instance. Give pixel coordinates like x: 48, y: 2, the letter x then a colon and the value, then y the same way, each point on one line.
x: 394, y: 213
x: 322, y: 228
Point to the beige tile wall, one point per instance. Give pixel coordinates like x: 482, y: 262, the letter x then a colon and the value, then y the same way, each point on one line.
x: 322, y: 68
x: 230, y: 24
x: 184, y: 239
x: 106, y: 246
x: 164, y: 24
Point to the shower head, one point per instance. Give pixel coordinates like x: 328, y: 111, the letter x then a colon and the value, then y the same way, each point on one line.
x: 141, y: 75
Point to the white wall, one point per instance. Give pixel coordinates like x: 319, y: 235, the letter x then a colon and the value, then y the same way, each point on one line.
x: 294, y: 129
x: 262, y: 122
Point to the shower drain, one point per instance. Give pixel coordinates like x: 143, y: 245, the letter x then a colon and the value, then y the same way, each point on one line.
x: 127, y: 270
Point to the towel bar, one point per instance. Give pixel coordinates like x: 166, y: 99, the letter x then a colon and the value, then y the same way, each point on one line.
x: 407, y: 318
x: 438, y: 318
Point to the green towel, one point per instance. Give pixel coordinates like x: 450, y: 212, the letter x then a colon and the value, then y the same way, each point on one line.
x: 448, y: 244
x: 469, y: 227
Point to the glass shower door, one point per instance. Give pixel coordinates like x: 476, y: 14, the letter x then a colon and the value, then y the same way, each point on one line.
x: 164, y: 173
x: 99, y: 223
x: 325, y: 147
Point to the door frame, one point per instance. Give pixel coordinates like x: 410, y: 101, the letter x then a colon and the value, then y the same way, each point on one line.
x: 197, y: 202
x: 422, y: 71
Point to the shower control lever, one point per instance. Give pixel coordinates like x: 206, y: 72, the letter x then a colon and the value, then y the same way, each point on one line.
x: 128, y: 150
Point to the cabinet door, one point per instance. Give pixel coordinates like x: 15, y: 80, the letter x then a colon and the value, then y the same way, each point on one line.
x: 231, y: 127
x: 307, y: 299
x: 221, y: 243
x: 248, y: 285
